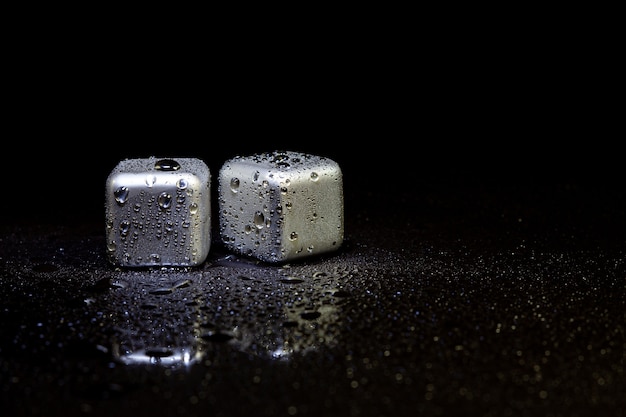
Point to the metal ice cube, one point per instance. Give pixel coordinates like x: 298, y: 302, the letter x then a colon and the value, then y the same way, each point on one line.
x: 281, y: 205
x: 158, y: 212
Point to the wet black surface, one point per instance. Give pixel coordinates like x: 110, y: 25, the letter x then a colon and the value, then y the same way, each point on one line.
x: 457, y: 292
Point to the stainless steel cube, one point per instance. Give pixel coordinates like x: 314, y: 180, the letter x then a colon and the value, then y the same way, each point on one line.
x: 281, y: 205
x: 158, y: 212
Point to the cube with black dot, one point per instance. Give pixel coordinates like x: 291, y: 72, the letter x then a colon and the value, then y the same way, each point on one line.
x: 280, y: 206
x: 158, y: 212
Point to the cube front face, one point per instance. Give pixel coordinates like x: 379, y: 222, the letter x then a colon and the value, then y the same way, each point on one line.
x: 280, y: 206
x: 158, y: 212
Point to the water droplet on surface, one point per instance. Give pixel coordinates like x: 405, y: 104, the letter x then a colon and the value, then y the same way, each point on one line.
x: 166, y: 165
x: 124, y: 227
x: 121, y: 194
x: 150, y: 180
x: 193, y: 208
x: 259, y: 220
x: 234, y: 184
x: 291, y: 280
x: 293, y: 236
x: 165, y: 200
x: 161, y: 291
x: 182, y: 183
x: 314, y: 176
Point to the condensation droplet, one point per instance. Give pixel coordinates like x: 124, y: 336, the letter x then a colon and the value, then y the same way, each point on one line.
x: 259, y: 220
x: 121, y: 194
x: 124, y: 227
x: 166, y: 165
x: 314, y: 176
x: 193, y: 208
x: 150, y: 180
x: 234, y: 184
x: 164, y: 200
x: 293, y: 236
x: 111, y: 246
x: 256, y: 175
x: 182, y: 183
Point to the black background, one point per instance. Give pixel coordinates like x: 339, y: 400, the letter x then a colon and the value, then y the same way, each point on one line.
x: 443, y: 100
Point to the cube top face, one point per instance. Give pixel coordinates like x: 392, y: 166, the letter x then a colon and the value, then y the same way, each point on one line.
x: 281, y: 206
x: 158, y: 212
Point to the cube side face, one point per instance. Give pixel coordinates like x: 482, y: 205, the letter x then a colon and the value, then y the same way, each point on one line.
x: 249, y: 211
x: 282, y: 207
x: 314, y: 219
x: 158, y: 212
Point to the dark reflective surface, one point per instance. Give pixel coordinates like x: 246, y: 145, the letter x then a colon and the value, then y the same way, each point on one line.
x: 482, y: 298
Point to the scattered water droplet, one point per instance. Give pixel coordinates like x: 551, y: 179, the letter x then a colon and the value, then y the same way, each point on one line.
x: 293, y: 236
x: 193, y: 208
x: 314, y: 176
x: 166, y: 165
x: 124, y: 227
x: 182, y: 183
x: 150, y: 180
x: 164, y: 200
x: 161, y: 291
x: 234, y: 184
x: 259, y: 220
x: 121, y: 194
x: 291, y: 280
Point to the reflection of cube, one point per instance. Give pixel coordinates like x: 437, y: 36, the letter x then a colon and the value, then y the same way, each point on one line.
x: 281, y: 206
x: 158, y: 212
